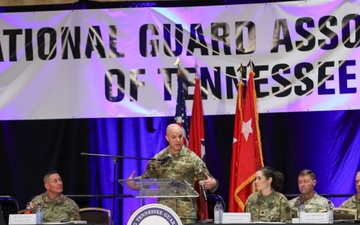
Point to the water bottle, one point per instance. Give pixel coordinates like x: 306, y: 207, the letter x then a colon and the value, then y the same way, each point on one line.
x: 302, y: 213
x: 39, y: 214
x: 330, y: 211
x: 218, y: 212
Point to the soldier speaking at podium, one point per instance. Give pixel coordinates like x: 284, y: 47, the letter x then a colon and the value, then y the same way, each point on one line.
x: 178, y: 162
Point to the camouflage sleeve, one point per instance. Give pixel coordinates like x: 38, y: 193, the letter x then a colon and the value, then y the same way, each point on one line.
x: 34, y: 202
x: 292, y: 202
x: 346, y: 204
x: 150, y: 171
x: 247, y: 206
x: 75, y: 215
x: 200, y: 168
x: 250, y: 202
x: 294, y: 207
x: 215, y: 187
x: 285, y: 214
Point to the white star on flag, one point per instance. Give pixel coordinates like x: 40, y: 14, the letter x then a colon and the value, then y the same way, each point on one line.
x: 246, y: 129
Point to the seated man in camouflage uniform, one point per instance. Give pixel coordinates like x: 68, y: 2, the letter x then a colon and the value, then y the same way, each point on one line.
x: 183, y: 164
x: 354, y: 201
x: 312, y: 201
x: 56, y: 206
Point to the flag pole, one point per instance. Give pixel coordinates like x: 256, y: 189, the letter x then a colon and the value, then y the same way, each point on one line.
x: 197, y: 144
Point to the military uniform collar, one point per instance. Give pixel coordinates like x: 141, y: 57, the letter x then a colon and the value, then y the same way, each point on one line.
x: 355, y: 199
x: 306, y: 201
x: 181, y: 153
x: 48, y: 199
x: 268, y: 199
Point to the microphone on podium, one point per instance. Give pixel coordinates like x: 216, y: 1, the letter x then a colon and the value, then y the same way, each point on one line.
x: 165, y: 159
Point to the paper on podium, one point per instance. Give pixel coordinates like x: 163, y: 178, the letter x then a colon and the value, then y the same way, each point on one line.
x: 158, y: 188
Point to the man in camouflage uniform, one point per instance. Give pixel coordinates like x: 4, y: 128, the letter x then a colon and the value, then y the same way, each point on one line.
x: 354, y: 201
x: 183, y: 164
x: 268, y: 205
x: 56, y: 207
x: 312, y: 201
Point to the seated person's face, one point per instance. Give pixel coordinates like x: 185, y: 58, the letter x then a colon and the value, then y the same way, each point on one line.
x: 54, y: 185
x: 306, y: 184
x: 261, y: 182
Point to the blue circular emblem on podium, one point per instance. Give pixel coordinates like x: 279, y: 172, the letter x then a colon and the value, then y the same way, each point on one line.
x: 154, y: 214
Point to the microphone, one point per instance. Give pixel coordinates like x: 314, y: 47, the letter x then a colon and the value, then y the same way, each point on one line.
x: 165, y: 159
x: 202, y: 187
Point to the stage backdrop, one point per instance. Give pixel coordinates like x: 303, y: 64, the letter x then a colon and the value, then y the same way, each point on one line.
x: 120, y: 62
x: 93, y: 64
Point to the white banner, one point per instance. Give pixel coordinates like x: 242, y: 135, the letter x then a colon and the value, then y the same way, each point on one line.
x: 120, y: 62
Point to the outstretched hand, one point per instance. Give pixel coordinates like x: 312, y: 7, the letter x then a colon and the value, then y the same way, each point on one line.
x: 210, y: 182
x: 131, y: 183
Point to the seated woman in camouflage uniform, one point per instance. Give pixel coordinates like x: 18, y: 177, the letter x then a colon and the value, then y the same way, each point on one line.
x: 268, y: 205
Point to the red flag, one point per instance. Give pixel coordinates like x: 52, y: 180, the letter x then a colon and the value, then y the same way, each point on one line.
x: 196, y: 135
x: 196, y: 142
x: 247, y: 152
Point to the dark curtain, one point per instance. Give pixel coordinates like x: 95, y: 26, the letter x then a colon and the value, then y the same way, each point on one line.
x: 326, y: 142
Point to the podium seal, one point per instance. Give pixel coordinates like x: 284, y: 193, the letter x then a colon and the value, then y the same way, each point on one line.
x: 154, y: 214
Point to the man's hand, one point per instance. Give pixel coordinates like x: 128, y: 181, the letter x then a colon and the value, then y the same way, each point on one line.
x: 210, y: 182
x: 131, y: 183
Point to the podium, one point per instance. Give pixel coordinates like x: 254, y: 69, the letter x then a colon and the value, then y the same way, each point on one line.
x: 150, y: 188
x: 158, y: 188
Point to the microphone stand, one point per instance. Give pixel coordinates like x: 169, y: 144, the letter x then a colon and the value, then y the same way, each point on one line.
x: 115, y: 160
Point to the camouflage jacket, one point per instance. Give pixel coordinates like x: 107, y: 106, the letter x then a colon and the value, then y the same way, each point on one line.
x: 273, y: 208
x: 63, y: 208
x: 315, y: 204
x: 352, y: 203
x: 184, y: 166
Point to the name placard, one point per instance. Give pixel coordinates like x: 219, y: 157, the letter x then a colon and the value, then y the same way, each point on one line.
x: 315, y: 217
x: 236, y: 217
x: 22, y: 219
